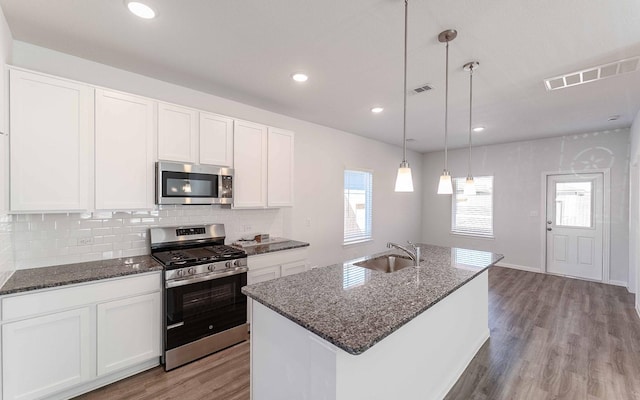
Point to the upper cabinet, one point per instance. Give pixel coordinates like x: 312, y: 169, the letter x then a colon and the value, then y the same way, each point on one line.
x: 187, y: 135
x: 280, y: 168
x: 216, y: 140
x: 177, y: 133
x: 263, y: 165
x: 51, y: 139
x: 124, y: 149
x: 250, y: 165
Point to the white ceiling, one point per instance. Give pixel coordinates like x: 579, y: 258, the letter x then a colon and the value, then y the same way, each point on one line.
x: 352, y: 50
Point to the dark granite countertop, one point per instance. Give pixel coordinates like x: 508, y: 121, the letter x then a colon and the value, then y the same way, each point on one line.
x: 264, y: 248
x: 24, y: 280
x: 354, y: 308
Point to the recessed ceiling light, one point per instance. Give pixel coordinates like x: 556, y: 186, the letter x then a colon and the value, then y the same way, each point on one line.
x: 377, y: 110
x: 613, y: 117
x: 299, y: 77
x: 478, y: 129
x: 141, y: 10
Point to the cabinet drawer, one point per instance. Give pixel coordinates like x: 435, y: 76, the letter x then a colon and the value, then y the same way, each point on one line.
x: 25, y: 305
x: 293, y: 268
x: 277, y: 258
x: 263, y: 274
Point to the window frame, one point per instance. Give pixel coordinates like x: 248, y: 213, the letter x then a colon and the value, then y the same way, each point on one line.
x: 461, y: 232
x: 368, y: 235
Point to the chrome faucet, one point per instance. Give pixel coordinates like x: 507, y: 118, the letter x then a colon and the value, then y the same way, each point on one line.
x: 414, y: 255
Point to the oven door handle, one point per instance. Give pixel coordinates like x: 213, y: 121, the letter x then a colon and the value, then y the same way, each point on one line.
x: 208, y: 277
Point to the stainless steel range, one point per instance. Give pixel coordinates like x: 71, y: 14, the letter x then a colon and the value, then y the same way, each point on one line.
x: 204, y: 308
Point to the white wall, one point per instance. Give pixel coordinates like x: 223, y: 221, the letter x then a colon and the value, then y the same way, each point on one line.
x: 6, y: 248
x: 321, y: 154
x: 634, y: 207
x: 518, y: 200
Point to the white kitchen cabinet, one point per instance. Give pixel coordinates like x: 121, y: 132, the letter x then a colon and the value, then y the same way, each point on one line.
x: 124, y: 129
x: 250, y: 165
x: 46, y: 354
x: 263, y: 165
x: 58, y: 343
x: 292, y: 268
x: 118, y: 347
x: 216, y: 140
x: 51, y: 140
x: 268, y: 266
x: 263, y: 274
x: 280, y: 168
x: 177, y: 133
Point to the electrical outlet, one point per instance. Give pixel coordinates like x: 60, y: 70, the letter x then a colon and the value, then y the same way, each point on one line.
x: 247, y: 228
x: 307, y: 222
x: 85, y: 241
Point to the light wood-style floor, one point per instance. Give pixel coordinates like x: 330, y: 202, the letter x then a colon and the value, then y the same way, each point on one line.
x: 551, y: 338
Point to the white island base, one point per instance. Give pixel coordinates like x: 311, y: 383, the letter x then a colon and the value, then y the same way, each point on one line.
x: 422, y: 360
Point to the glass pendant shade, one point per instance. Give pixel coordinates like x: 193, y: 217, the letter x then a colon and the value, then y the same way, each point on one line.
x: 445, y: 186
x: 470, y: 187
x: 404, y: 181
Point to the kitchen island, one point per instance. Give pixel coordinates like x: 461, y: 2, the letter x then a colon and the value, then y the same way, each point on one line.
x: 347, y: 332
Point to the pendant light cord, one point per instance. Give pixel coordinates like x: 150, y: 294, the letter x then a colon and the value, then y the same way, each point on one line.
x: 446, y: 107
x: 470, y: 115
x: 404, y: 115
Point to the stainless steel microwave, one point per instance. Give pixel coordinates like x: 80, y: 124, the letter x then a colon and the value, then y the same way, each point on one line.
x: 178, y: 183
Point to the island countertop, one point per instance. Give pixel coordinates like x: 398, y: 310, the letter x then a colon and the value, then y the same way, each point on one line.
x: 354, y: 308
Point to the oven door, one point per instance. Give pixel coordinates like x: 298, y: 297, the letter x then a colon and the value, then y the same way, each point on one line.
x: 201, y: 309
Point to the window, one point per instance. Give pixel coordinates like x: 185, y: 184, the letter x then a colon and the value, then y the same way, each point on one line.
x: 358, y: 188
x: 473, y: 214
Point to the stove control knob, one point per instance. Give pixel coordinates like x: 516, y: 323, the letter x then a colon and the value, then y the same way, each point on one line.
x: 210, y: 267
x: 228, y: 264
x: 191, y: 271
x: 179, y: 273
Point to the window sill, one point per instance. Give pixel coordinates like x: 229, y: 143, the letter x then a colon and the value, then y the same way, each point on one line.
x: 356, y: 242
x: 469, y: 235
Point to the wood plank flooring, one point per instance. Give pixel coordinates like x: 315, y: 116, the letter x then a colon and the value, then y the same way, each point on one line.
x: 551, y: 338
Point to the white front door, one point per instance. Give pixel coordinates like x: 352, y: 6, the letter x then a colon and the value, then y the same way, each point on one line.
x: 575, y: 225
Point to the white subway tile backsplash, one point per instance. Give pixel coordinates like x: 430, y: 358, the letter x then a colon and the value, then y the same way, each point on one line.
x: 36, y: 240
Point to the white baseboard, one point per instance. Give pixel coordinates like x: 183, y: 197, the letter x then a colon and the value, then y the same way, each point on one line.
x: 520, y: 267
x: 617, y: 283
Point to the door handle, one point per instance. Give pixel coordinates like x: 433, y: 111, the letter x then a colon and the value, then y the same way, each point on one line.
x: 549, y: 222
x: 548, y: 229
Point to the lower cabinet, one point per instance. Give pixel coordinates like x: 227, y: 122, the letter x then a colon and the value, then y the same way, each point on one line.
x: 265, y: 267
x: 46, y: 354
x: 62, y: 342
x: 128, y: 332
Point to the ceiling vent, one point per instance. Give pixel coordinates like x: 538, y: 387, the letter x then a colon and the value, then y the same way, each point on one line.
x: 424, y: 88
x: 593, y: 74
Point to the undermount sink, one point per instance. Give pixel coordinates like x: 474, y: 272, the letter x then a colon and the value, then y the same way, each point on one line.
x: 388, y: 263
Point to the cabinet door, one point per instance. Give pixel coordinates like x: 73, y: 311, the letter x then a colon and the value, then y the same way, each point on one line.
x: 46, y: 354
x: 51, y: 141
x: 216, y: 140
x: 125, y: 154
x: 177, y: 133
x: 128, y: 332
x: 280, y: 168
x: 294, y: 267
x: 250, y: 165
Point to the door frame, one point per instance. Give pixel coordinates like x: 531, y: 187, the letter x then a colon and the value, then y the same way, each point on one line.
x: 606, y: 216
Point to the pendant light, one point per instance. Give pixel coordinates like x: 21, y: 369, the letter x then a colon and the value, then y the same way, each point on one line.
x: 404, y: 181
x: 445, y: 186
x: 470, y: 185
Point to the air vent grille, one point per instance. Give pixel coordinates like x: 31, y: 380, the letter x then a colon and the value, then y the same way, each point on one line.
x: 593, y: 74
x: 424, y: 88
